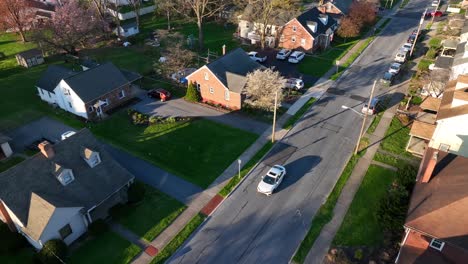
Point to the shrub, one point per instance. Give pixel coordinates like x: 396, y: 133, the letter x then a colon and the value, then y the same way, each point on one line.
x: 392, y: 209
x: 98, y: 227
x: 406, y: 177
x: 416, y: 100
x: 192, y: 95
x: 52, y: 251
x: 136, y: 192
x: 10, y: 241
x: 431, y: 53
x: 423, y: 65
x: 117, y: 210
x: 358, y: 254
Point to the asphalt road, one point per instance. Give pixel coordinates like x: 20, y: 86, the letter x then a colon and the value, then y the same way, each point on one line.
x: 252, y: 228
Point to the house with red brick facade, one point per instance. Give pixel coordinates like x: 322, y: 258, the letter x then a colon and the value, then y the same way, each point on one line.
x: 222, y: 81
x: 436, y: 229
x: 88, y: 94
x: 309, y: 31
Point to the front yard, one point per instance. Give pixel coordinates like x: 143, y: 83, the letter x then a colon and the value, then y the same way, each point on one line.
x: 151, y: 216
x: 198, y: 150
x: 105, y: 248
x: 396, y: 138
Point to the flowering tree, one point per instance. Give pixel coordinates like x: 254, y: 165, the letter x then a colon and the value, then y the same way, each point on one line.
x: 15, y: 14
x: 261, y: 87
x: 71, y: 26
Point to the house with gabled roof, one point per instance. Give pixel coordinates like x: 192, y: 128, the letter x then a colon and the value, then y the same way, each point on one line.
x: 60, y: 191
x: 88, y: 94
x: 311, y: 30
x: 222, y: 81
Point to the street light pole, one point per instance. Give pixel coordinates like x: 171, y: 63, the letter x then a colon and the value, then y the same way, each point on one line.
x: 417, y: 34
x: 239, y: 162
x: 337, y: 66
x: 437, y: 8
x: 274, y: 118
x: 364, y: 119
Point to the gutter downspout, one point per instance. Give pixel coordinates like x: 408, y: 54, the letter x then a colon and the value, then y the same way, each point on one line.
x: 403, y: 243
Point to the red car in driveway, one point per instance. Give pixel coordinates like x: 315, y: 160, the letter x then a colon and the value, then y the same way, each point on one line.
x: 159, y: 93
x: 434, y: 13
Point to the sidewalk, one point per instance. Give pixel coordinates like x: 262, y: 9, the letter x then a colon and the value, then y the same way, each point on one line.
x: 322, y: 243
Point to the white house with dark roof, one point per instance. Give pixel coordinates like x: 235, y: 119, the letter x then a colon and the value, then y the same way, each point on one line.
x: 58, y: 192
x: 88, y: 94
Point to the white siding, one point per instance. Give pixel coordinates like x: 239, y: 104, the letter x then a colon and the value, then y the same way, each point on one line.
x: 62, y: 217
x: 6, y: 149
x: 453, y: 132
x: 77, y: 105
x: 47, y: 96
x: 130, y: 32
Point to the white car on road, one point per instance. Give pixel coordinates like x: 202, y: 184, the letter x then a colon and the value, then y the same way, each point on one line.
x: 394, y: 68
x: 407, y: 46
x: 271, y: 180
x: 283, y: 54
x: 256, y: 57
x: 296, y: 57
x: 294, y: 83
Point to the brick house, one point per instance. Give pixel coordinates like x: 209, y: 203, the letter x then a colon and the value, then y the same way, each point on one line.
x: 60, y: 191
x: 309, y: 31
x: 337, y: 8
x: 88, y: 94
x: 222, y: 81
x: 436, y: 229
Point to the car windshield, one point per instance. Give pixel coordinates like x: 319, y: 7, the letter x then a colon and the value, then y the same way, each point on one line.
x: 395, y: 67
x: 269, y: 179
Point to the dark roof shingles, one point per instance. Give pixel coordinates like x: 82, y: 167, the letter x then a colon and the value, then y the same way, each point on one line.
x: 52, y: 76
x: 313, y: 15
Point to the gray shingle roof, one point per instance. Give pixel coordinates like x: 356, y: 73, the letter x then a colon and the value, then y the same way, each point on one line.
x: 35, y: 175
x: 52, y: 76
x: 343, y: 5
x: 97, y: 81
x: 313, y: 15
x: 443, y: 62
x: 30, y: 53
x: 232, y: 69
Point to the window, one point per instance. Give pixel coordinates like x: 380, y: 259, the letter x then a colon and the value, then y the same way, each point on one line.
x: 293, y: 39
x: 207, y: 77
x: 95, y: 160
x: 40, y: 91
x: 198, y: 87
x: 437, y: 244
x: 70, y: 105
x: 90, y: 108
x: 121, y: 94
x: 282, y: 38
x: 66, y: 91
x: 50, y: 95
x: 211, y: 90
x: 65, y: 231
x: 294, y: 28
x: 66, y: 177
x: 227, y: 96
x: 303, y: 42
x: 106, y: 103
x: 444, y: 147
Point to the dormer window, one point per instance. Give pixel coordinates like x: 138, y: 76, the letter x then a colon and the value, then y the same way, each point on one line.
x: 63, y: 175
x: 90, y: 156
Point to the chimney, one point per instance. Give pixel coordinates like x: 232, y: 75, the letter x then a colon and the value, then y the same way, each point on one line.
x: 224, y: 50
x: 46, y: 149
x: 430, y: 167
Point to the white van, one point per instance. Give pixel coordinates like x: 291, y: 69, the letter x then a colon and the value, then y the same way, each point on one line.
x: 401, y: 55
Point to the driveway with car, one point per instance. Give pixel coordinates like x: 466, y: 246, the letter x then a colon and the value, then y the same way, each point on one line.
x: 180, y: 107
x: 144, y: 171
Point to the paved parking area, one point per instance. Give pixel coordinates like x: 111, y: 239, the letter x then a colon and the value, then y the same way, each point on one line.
x: 180, y: 107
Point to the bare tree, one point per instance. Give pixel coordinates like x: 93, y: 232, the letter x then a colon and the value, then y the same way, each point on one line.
x: 16, y: 15
x: 101, y: 6
x: 165, y: 7
x: 136, y: 5
x: 261, y: 87
x: 363, y: 12
x: 177, y: 57
x: 268, y: 13
x: 199, y: 10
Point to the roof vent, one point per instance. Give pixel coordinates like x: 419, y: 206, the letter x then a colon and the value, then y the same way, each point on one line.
x: 63, y: 175
x: 90, y: 156
x: 312, y: 25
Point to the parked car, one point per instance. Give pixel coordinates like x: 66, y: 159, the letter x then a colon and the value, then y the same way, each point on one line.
x: 411, y: 39
x: 407, y: 46
x: 401, y: 56
x: 294, y: 83
x: 435, y: 3
x: 434, y: 13
x: 296, y: 57
x: 394, y: 68
x: 373, y: 108
x: 67, y: 134
x: 180, y: 75
x: 271, y: 180
x: 283, y: 54
x: 387, y: 79
x: 160, y: 94
x: 256, y: 57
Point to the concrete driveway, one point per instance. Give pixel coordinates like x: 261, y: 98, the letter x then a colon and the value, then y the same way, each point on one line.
x: 180, y: 107
x: 144, y: 171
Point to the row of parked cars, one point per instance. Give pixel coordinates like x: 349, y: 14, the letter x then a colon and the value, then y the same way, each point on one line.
x: 293, y: 56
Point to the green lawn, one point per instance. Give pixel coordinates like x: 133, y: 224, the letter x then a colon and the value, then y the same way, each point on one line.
x: 106, y: 248
x: 10, y: 46
x: 10, y: 162
x: 151, y: 216
x: 198, y: 151
x: 24, y: 256
x: 396, y: 138
x: 178, y: 240
x: 360, y: 226
x: 392, y: 161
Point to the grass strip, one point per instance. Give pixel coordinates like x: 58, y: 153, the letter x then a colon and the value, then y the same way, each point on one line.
x: 178, y: 240
x: 293, y: 119
x: 247, y: 167
x: 404, y: 3
x: 325, y: 212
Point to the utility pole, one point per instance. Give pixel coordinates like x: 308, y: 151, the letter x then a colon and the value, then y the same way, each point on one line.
x: 274, y: 118
x: 364, y: 119
x: 417, y: 34
x: 437, y: 8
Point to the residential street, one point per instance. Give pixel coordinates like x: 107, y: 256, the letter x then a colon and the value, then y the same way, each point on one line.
x: 252, y: 228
